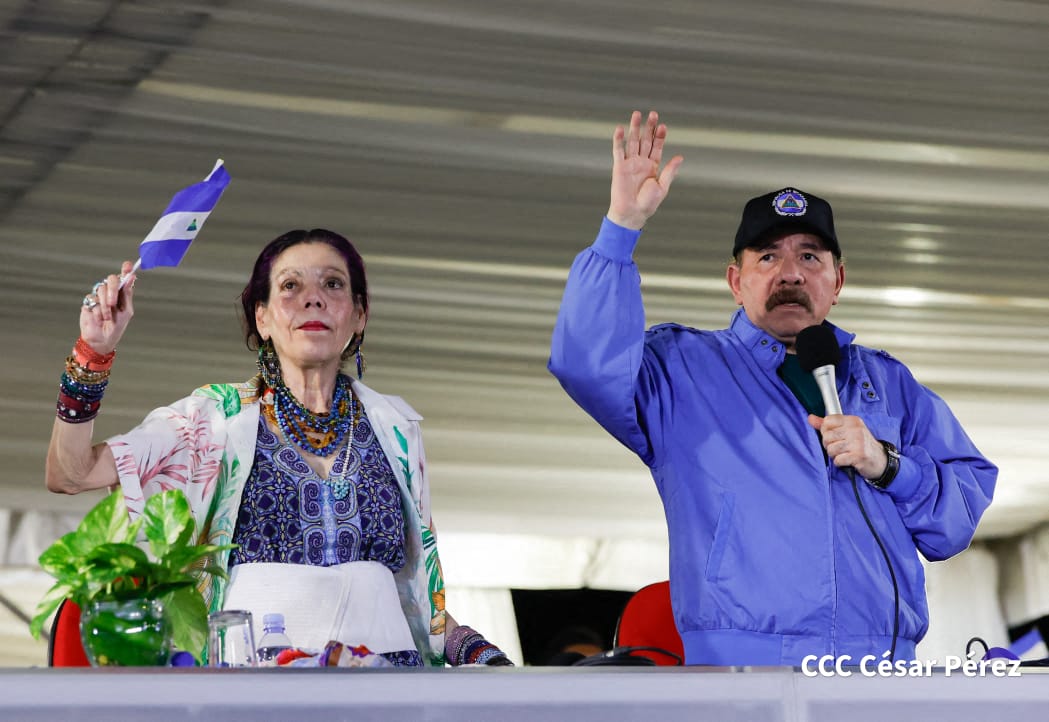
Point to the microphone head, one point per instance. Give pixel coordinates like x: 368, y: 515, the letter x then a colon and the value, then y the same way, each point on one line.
x: 817, y: 346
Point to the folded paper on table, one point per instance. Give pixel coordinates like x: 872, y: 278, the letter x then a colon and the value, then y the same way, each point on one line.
x: 354, y: 603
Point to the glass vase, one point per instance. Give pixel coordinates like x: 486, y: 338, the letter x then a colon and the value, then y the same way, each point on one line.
x: 125, y: 633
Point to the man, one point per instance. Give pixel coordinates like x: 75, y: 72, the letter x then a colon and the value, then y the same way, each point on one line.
x: 791, y: 532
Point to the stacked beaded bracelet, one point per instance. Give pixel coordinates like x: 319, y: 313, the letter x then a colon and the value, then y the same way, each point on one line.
x: 464, y: 645
x: 83, y: 383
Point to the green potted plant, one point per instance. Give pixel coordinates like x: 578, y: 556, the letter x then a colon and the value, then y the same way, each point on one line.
x: 134, y: 604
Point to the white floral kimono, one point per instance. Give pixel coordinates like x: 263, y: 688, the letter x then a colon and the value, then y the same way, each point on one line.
x: 204, y: 445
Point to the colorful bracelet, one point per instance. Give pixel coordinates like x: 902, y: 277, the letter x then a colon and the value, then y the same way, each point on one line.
x: 464, y: 645
x: 91, y: 359
x: 78, y: 401
x: 83, y: 375
x: 79, y: 389
x: 74, y: 411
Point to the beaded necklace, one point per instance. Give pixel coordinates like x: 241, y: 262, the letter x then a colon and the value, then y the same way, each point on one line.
x: 320, y: 434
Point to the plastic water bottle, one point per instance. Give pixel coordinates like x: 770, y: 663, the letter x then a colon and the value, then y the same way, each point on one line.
x: 273, y: 641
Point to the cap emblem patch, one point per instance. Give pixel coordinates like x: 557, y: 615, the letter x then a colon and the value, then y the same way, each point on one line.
x: 790, y: 203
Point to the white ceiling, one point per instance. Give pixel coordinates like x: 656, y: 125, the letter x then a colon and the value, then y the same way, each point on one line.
x: 464, y: 145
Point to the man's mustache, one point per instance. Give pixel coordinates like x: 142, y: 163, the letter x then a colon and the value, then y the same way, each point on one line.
x: 789, y: 294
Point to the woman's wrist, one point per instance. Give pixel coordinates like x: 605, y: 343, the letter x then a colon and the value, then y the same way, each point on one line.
x: 90, y: 359
x: 83, y: 383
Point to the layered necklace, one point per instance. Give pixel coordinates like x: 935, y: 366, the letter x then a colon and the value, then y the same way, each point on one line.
x: 320, y: 434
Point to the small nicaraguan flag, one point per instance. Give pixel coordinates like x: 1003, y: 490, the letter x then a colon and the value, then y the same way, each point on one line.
x: 169, y: 240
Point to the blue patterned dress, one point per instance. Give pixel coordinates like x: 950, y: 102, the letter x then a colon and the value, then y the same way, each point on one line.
x: 289, y: 515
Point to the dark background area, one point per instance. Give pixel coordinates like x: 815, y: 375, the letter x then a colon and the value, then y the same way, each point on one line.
x: 542, y: 614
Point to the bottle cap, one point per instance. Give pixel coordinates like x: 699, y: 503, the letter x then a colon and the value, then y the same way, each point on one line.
x: 182, y: 659
x: 273, y: 620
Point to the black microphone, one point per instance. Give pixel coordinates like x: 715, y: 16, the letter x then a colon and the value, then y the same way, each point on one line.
x: 819, y: 353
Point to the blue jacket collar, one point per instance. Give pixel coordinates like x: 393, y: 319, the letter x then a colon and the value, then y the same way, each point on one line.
x: 767, y: 350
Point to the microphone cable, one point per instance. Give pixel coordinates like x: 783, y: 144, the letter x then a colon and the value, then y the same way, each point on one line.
x: 888, y: 563
x: 819, y: 353
x: 625, y: 657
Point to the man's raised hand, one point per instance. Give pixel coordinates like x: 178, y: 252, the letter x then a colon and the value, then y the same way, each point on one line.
x: 638, y: 184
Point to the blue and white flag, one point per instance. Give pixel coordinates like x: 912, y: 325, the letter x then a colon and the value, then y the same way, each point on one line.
x: 169, y: 240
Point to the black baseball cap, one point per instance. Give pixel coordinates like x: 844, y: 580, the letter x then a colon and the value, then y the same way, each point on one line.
x: 784, y: 211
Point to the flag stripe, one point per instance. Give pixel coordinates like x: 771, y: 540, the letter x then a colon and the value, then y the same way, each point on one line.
x: 172, y: 235
x: 200, y: 196
x: 177, y: 225
x: 168, y: 252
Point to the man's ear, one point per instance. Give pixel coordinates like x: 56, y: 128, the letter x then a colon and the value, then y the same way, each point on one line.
x: 840, y: 282
x: 732, y: 276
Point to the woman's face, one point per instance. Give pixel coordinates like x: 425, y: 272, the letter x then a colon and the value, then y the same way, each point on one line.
x: 311, y: 315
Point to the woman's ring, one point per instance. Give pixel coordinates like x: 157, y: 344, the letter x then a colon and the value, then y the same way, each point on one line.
x: 89, y: 302
x: 94, y: 289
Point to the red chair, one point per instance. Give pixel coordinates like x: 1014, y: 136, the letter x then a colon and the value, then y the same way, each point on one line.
x: 647, y: 623
x: 64, y: 648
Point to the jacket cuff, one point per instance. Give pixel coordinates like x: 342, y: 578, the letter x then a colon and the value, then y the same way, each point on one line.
x: 907, y: 480
x: 615, y: 242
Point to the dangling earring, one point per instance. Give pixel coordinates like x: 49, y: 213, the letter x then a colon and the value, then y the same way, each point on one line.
x: 361, y: 365
x: 269, y: 365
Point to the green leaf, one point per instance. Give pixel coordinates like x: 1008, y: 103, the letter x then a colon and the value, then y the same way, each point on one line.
x: 194, y: 556
x: 108, y: 521
x: 403, y: 442
x: 60, y: 560
x: 132, y: 532
x: 162, y: 590
x: 116, y: 554
x: 215, y: 570
x: 168, y: 522
x: 185, y: 609
x: 46, y: 607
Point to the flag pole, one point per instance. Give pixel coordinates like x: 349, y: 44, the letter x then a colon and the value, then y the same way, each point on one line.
x: 129, y: 274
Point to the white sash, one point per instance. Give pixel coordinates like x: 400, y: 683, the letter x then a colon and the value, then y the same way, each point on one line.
x: 354, y: 603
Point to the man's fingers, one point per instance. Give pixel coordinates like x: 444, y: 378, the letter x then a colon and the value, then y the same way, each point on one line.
x: 634, y: 138
x: 659, y: 139
x: 670, y: 172
x: 617, y: 143
x: 648, y: 134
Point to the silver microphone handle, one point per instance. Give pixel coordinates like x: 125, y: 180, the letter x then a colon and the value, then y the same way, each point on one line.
x: 824, y: 376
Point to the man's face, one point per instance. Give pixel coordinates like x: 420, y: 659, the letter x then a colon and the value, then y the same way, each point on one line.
x: 786, y: 285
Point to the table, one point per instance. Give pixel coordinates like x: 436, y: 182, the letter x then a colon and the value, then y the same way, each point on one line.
x: 536, y: 693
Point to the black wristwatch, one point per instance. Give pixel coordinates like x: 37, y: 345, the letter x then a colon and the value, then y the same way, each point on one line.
x: 891, y: 468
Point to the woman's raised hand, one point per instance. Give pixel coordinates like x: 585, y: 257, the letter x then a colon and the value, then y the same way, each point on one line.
x: 638, y: 184
x: 107, y: 310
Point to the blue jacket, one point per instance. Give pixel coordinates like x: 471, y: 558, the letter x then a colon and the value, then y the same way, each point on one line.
x: 770, y: 556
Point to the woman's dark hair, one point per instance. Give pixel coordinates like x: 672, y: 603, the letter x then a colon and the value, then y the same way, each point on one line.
x: 258, y: 289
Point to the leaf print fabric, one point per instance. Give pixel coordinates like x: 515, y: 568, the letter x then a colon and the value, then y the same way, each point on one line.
x: 204, y: 445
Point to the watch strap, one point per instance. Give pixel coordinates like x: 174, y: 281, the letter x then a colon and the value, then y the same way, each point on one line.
x: 892, y: 467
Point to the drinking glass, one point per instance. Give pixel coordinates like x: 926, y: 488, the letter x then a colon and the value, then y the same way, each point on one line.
x: 231, y: 639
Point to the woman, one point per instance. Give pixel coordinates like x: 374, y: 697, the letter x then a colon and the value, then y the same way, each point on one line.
x: 320, y: 481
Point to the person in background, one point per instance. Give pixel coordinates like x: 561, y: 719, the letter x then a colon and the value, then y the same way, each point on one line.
x: 302, y: 467
x: 777, y: 550
x: 572, y: 644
